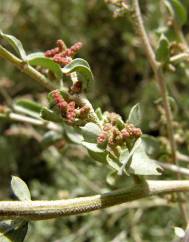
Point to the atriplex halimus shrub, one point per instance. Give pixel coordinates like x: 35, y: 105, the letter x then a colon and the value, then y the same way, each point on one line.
x: 108, y: 138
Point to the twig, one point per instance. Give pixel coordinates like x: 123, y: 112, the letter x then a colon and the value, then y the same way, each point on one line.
x: 27, y: 69
x: 182, y: 157
x: 39, y: 210
x: 174, y: 168
x: 140, y: 30
x: 180, y: 57
x: 21, y: 118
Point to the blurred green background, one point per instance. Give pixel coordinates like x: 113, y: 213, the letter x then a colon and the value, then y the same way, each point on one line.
x: 123, y: 78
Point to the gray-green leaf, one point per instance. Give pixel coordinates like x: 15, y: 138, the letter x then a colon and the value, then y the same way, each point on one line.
x: 90, y: 132
x: 92, y: 146
x: 141, y: 164
x: 39, y: 59
x: 73, y: 135
x: 20, y: 189
x: 135, y: 115
x: 82, y: 67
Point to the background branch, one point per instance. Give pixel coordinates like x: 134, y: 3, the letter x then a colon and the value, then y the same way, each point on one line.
x: 140, y: 30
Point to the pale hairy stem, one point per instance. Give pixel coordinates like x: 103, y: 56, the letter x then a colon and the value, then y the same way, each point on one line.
x: 140, y: 30
x: 39, y: 210
x: 174, y: 168
x: 182, y: 157
x: 27, y: 69
x: 180, y: 57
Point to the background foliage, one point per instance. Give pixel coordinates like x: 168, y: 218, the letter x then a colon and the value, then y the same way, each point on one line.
x: 123, y: 78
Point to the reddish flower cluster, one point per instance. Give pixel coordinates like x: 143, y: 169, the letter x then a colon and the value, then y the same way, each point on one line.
x: 112, y: 135
x: 67, y: 108
x: 61, y: 54
x: 131, y: 131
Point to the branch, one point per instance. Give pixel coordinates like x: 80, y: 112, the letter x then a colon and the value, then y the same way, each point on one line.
x: 182, y: 157
x: 37, y: 122
x: 27, y: 69
x: 180, y: 57
x: 140, y: 30
x: 39, y: 210
x: 173, y: 168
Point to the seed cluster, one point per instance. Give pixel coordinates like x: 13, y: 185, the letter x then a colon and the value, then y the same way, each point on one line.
x: 112, y: 135
x: 61, y: 54
x: 69, y: 109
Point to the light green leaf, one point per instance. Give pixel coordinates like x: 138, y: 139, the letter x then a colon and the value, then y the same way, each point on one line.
x: 141, y: 164
x: 20, y: 189
x: 90, y: 132
x: 163, y: 52
x: 99, y: 113
x: 49, y: 115
x: 15, y: 43
x: 101, y: 157
x: 151, y: 144
x: 125, y: 157
x: 82, y: 67
x: 135, y: 115
x: 73, y: 135
x: 39, y: 59
x: 50, y: 138
x: 28, y: 107
x: 113, y: 163
x: 179, y: 232
x: 11, y: 232
x: 92, y: 146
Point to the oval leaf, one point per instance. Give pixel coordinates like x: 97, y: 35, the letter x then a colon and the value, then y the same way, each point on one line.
x: 90, y: 132
x: 82, y: 67
x: 92, y: 146
x: 20, y: 189
x: 101, y: 157
x: 50, y: 138
x: 113, y: 163
x: 39, y: 59
x: 73, y: 135
x: 141, y: 164
x: 135, y: 115
x: 15, y: 43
